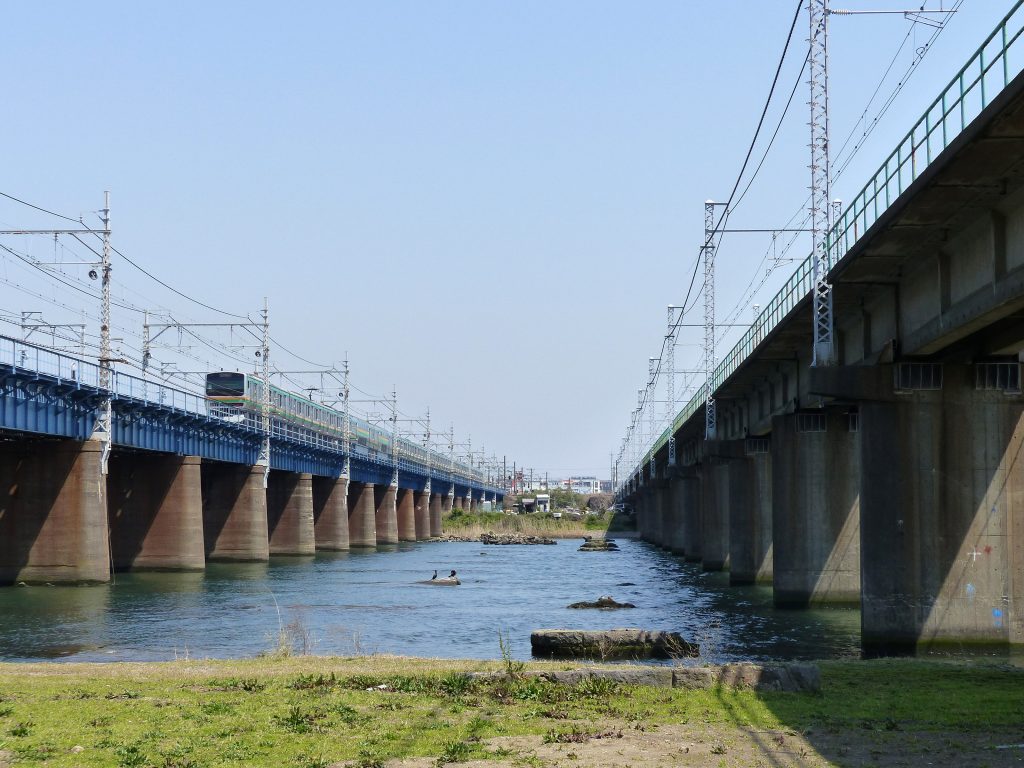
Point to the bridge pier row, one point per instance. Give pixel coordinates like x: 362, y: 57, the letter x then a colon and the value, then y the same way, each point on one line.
x: 816, y: 481
x: 714, y: 514
x: 406, y: 506
x: 234, y: 512
x: 474, y: 504
x: 436, y: 511
x: 290, y: 513
x: 422, y: 514
x: 942, y: 553
x: 155, y: 512
x: 385, y: 501
x: 362, y: 526
x: 330, y: 512
x: 53, y: 513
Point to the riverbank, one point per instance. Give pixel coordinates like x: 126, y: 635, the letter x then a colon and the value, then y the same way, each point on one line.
x: 468, y: 526
x: 312, y: 712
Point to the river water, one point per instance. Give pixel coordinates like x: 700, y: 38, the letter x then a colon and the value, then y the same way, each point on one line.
x: 362, y: 602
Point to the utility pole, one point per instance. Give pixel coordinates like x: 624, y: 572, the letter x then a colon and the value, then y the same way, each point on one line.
x: 394, y: 438
x: 652, y: 374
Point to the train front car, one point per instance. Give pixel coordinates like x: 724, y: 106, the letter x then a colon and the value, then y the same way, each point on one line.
x: 225, y: 392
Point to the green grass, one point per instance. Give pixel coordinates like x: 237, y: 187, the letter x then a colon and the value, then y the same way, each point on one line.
x: 313, y: 711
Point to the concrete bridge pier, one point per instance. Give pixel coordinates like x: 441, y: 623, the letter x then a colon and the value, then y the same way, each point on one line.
x: 474, y: 503
x: 330, y: 512
x: 943, y: 558
x: 362, y: 526
x: 53, y: 513
x: 422, y: 515
x: 816, y: 481
x: 715, y: 512
x: 692, y: 531
x: 663, y: 507
x: 234, y: 512
x: 436, y: 510
x: 406, y: 506
x: 677, y: 491
x: 386, y: 513
x: 645, y: 509
x: 155, y: 512
x: 750, y: 518
x: 290, y: 513
x: 459, y: 502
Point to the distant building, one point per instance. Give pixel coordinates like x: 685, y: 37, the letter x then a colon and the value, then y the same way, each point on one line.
x: 583, y: 485
x: 606, y: 486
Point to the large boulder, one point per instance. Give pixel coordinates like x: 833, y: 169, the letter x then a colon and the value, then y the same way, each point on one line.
x: 627, y: 643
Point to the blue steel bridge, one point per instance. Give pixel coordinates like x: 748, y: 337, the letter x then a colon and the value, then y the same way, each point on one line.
x: 185, y: 484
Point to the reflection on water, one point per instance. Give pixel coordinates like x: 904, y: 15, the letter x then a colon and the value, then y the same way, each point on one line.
x: 365, y: 600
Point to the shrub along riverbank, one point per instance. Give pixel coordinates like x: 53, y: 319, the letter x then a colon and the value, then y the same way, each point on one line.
x: 472, y: 524
x: 312, y: 712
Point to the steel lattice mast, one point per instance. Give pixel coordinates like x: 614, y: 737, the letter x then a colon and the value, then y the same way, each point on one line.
x: 670, y: 384
x: 264, y: 459
x: 346, y: 426
x: 820, y: 208
x: 105, y: 420
x: 710, y: 410
x: 652, y: 381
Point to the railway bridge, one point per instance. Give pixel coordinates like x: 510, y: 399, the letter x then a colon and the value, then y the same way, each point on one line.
x: 893, y: 478
x: 178, y: 481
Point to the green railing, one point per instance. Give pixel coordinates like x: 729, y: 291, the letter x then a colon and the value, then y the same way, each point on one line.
x: 996, y: 62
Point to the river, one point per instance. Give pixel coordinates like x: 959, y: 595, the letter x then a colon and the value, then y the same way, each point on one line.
x: 369, y: 601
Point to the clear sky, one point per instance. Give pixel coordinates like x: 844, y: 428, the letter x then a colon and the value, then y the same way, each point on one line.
x: 487, y: 205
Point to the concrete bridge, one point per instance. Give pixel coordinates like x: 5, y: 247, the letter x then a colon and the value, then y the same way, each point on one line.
x: 178, y: 484
x: 893, y: 479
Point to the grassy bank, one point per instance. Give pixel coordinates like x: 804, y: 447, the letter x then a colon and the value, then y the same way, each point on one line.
x: 313, y: 712
x: 459, y: 523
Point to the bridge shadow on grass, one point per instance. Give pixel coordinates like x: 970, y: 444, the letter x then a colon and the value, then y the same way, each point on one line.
x: 890, y: 713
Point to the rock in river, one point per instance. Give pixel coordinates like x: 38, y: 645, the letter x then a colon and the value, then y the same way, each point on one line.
x: 604, y: 603
x: 627, y: 643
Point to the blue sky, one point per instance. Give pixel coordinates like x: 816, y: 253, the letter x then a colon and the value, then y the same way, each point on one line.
x: 487, y: 205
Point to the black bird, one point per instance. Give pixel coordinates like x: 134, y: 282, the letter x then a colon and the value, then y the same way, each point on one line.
x: 434, y: 576
x: 451, y: 575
